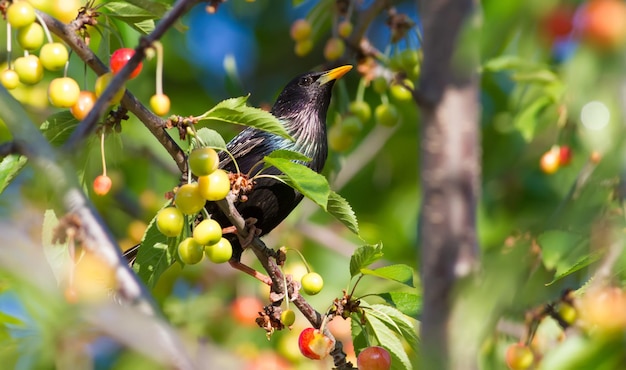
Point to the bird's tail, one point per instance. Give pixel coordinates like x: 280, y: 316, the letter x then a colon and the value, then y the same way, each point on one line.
x: 131, y: 254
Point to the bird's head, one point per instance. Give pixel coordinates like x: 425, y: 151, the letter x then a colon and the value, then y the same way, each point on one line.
x: 308, y: 95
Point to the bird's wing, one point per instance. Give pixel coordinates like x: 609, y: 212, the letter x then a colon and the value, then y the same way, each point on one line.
x: 248, y: 146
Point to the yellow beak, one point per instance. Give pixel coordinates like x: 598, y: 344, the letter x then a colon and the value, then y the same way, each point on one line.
x: 334, y: 74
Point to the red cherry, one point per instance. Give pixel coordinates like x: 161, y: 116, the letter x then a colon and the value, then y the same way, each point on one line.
x: 558, y: 23
x: 102, y: 184
x: 246, y: 309
x: 314, y: 344
x: 565, y: 155
x: 374, y: 358
x: 119, y: 59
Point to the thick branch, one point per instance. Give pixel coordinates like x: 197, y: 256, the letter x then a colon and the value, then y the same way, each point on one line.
x: 450, y: 179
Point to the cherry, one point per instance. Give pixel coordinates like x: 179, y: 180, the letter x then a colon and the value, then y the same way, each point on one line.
x: 190, y: 252
x: 300, y: 30
x: 29, y: 69
x: 351, y: 125
x: 9, y: 78
x: 602, y: 309
x: 101, y: 84
x: 400, y: 92
x: 334, y: 49
x: 386, y: 115
x: 31, y: 37
x: 338, y: 139
x: 246, y: 309
x: 519, y: 357
x: 188, y: 199
x: 303, y: 47
x: 160, y: 104
x: 602, y: 23
x: 219, y: 252
x: 557, y: 24
x: 314, y: 344
x: 203, y: 161
x: 63, y: 92
x: 207, y: 232
x: 120, y: 57
x: 361, y: 109
x: 312, y: 283
x: 102, y: 185
x: 20, y: 14
x: 549, y: 162
x: 567, y: 312
x: 82, y: 107
x: 344, y: 28
x: 214, y: 186
x: 288, y: 317
x: 379, y: 84
x: 565, y: 155
x: 374, y: 358
x: 53, y: 56
x: 170, y: 221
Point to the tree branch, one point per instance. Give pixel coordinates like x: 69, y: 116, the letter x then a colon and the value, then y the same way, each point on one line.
x: 450, y: 177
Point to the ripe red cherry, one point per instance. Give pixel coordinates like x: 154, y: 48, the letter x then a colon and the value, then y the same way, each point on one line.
x: 565, y: 155
x: 102, y: 184
x: 314, y: 344
x: 374, y: 358
x: 120, y: 57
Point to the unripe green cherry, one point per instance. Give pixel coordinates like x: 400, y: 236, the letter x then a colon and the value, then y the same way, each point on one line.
x: 31, y: 37
x: 9, y: 78
x: 312, y: 283
x: 288, y: 317
x: 53, y: 56
x: 63, y: 92
x: 300, y: 30
x: 334, y: 49
x: 29, y: 69
x: 203, y: 161
x: 101, y: 84
x: 188, y: 199
x: 190, y: 252
x: 207, y: 232
x: 170, y: 221
x: 361, y: 109
x: 386, y: 115
x: 214, y: 186
x: 20, y: 14
x: 219, y: 252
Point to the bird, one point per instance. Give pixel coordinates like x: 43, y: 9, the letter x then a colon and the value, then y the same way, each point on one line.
x: 301, y: 107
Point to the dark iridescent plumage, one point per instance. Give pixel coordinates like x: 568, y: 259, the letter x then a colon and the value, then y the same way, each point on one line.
x: 302, y: 107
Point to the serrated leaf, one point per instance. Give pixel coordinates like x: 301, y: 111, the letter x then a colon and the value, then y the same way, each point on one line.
x: 555, y: 245
x: 308, y: 182
x: 210, y: 138
x: 342, y: 211
x: 363, y: 257
x: 137, y: 17
x: 406, y: 327
x: 388, y: 339
x: 409, y: 304
x: 289, y: 154
x: 144, y: 27
x: 153, y: 7
x: 400, y: 273
x: 155, y: 254
x: 236, y: 111
x: 10, y: 166
x: 581, y: 263
x: 58, y: 127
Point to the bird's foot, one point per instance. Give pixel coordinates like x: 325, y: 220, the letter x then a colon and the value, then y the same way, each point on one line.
x: 250, y: 271
x: 253, y: 231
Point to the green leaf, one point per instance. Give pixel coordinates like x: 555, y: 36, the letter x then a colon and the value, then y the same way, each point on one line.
x: 537, y: 76
x: 406, y: 326
x: 580, y: 264
x: 505, y: 62
x: 342, y: 211
x: 138, y: 18
x: 308, y: 182
x: 363, y: 257
x: 236, y: 111
x: 290, y: 155
x: 10, y: 166
x: 58, y: 127
x: 210, y: 138
x: 526, y: 121
x: 400, y: 273
x: 155, y: 254
x: 556, y: 245
x: 152, y: 7
x: 384, y: 329
x: 409, y: 304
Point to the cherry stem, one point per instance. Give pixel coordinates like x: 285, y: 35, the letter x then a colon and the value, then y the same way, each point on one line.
x: 104, y: 162
x: 308, y: 268
x: 45, y: 28
x: 360, y: 90
x: 9, y: 46
x: 286, y: 290
x: 159, y: 67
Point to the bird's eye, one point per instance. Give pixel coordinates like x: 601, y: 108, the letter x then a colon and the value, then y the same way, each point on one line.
x: 306, y: 81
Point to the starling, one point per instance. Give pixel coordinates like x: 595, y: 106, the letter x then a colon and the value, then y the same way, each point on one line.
x: 301, y: 107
